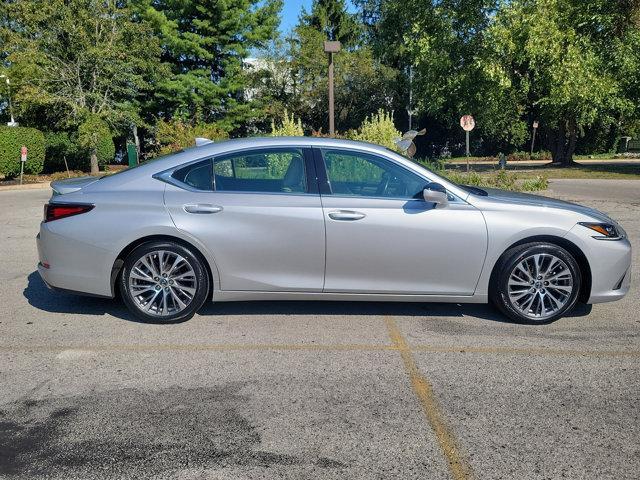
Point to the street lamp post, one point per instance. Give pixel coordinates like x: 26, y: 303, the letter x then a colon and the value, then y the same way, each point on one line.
x: 331, y: 48
x: 12, y: 123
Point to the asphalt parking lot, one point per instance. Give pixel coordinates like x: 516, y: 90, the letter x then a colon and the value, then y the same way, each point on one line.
x: 314, y: 390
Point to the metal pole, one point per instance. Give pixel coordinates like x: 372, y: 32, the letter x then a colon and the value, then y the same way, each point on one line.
x: 21, y: 170
x: 331, y: 111
x: 10, y: 106
x: 467, y: 138
x: 533, y: 140
x: 410, y: 95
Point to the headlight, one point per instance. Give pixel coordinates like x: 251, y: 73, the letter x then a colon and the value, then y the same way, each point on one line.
x: 606, y: 231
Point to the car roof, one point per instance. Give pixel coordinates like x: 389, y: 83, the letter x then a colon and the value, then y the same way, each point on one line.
x: 256, y: 142
x: 227, y: 146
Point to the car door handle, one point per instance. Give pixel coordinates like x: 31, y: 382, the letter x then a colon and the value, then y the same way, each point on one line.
x: 348, y: 215
x: 202, y: 208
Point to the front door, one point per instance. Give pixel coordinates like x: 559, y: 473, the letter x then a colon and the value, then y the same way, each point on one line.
x: 383, y: 237
x: 259, y: 214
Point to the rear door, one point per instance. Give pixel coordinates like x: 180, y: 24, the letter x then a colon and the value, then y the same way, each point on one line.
x: 382, y: 237
x: 259, y: 213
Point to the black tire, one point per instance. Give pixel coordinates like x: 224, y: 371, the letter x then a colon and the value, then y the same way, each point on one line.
x: 201, y: 282
x: 499, y: 288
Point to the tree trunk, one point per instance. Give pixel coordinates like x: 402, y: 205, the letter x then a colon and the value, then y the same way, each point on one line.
x: 563, y: 143
x: 94, y: 162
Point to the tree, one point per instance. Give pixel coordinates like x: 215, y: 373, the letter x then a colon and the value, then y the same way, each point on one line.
x: 331, y: 19
x: 77, y: 62
x: 361, y: 82
x: 568, y: 62
x: 440, y: 44
x: 204, y: 43
x: 92, y: 133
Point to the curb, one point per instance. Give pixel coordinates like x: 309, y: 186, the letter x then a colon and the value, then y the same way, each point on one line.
x: 27, y: 186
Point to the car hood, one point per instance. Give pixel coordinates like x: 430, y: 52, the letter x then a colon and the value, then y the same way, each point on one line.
x: 69, y: 185
x: 518, y: 198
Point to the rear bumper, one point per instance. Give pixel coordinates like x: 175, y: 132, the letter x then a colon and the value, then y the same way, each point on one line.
x: 68, y: 265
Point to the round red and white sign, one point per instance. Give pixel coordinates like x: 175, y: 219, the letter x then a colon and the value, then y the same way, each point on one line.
x: 467, y: 123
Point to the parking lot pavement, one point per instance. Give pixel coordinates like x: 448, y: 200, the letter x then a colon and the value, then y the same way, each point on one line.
x: 314, y: 390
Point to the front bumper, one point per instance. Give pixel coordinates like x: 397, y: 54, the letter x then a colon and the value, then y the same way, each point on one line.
x: 610, y: 264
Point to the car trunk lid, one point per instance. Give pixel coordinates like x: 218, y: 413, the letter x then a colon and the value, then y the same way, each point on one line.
x: 69, y: 185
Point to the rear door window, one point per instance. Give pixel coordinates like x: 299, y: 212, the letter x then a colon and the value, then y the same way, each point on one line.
x: 272, y: 171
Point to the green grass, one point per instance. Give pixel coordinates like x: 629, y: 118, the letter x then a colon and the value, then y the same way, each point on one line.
x: 587, y: 171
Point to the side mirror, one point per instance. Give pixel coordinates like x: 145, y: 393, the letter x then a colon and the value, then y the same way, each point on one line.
x: 435, y: 193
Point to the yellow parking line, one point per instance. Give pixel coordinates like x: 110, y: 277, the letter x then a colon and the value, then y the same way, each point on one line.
x: 458, y: 466
x: 525, y: 351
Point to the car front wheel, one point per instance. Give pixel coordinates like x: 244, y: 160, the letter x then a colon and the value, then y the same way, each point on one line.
x: 163, y: 282
x: 536, y: 283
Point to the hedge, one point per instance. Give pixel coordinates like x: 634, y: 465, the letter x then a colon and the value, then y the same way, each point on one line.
x: 60, y: 146
x: 65, y: 144
x: 11, y: 140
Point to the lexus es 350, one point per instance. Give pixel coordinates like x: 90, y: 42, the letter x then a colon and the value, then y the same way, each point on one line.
x: 321, y: 219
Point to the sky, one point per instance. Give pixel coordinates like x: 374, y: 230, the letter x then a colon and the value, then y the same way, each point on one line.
x: 291, y: 12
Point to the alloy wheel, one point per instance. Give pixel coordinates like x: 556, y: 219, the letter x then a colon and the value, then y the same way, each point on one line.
x: 162, y: 283
x: 540, y: 285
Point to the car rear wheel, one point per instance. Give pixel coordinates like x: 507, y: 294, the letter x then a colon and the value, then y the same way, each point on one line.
x: 163, y: 282
x: 536, y: 283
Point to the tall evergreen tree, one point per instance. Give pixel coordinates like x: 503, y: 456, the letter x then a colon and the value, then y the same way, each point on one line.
x: 205, y: 42
x: 333, y: 21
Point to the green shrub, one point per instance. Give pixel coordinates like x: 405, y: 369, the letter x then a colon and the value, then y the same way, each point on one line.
x: 541, y: 155
x: 176, y: 135
x: 106, y: 150
x: 471, y: 178
x: 11, y: 141
x: 94, y: 134
x: 288, y: 127
x: 61, y: 145
x: 534, y: 184
x: 518, y: 157
x: 501, y: 179
x: 378, y: 129
x: 526, y: 156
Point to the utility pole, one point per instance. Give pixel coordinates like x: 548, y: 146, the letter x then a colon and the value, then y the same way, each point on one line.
x: 331, y: 48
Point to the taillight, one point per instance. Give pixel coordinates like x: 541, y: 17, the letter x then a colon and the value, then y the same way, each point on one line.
x: 56, y: 211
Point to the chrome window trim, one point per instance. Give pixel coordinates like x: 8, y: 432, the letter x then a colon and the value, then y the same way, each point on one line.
x: 165, y: 175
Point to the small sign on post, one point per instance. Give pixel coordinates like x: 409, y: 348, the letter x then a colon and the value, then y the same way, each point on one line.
x: 23, y: 160
x: 467, y: 123
x: 533, y: 136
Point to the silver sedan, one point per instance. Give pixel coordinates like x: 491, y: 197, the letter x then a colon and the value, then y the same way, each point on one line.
x: 321, y: 219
